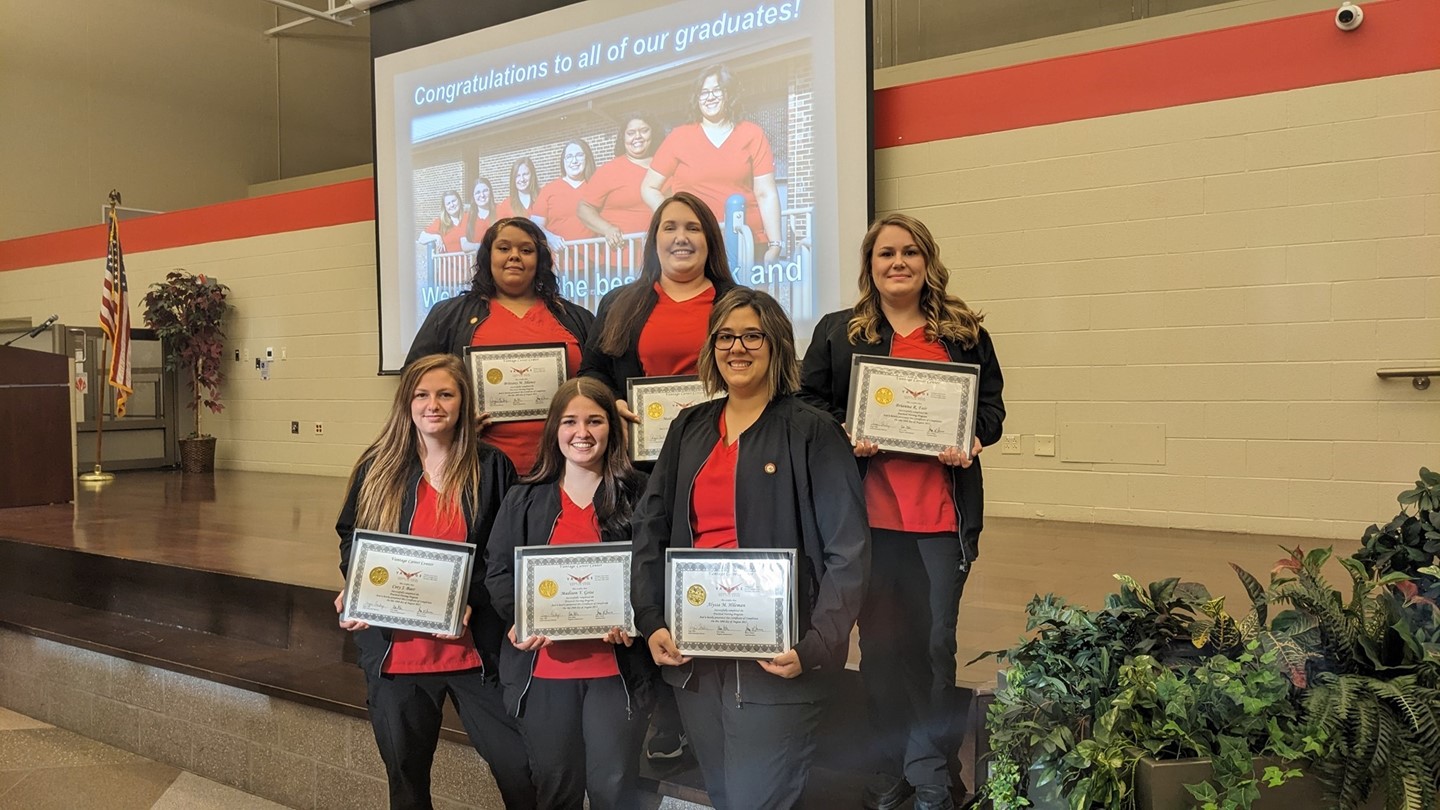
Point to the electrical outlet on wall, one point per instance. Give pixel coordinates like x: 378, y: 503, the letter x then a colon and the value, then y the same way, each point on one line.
x: 295, y: 428
x: 319, y: 428
x: 1010, y: 444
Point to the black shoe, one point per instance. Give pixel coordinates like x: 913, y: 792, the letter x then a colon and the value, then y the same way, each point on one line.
x: 886, y: 792
x: 665, y: 745
x: 933, y: 797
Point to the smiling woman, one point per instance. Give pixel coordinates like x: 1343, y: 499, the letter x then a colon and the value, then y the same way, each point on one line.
x: 654, y: 326
x: 907, y: 634
x: 514, y: 299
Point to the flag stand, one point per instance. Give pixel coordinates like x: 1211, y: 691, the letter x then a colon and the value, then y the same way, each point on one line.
x: 114, y: 264
x: 98, y: 475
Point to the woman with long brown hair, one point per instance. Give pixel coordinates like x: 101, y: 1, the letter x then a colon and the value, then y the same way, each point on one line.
x: 429, y: 475
x: 655, y: 325
x: 925, y: 513
x: 582, y: 704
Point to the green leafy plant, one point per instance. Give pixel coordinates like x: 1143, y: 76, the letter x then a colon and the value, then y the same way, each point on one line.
x: 187, y: 312
x: 1375, y: 694
x: 1091, y: 693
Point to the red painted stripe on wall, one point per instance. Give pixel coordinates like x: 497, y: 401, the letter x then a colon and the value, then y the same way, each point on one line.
x: 1397, y: 36
x: 337, y: 204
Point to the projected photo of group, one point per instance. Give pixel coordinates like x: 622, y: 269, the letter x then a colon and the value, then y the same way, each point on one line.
x: 586, y: 132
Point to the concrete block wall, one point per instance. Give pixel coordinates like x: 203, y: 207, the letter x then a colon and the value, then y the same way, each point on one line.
x: 310, y: 293
x: 1225, y: 276
x: 293, y: 754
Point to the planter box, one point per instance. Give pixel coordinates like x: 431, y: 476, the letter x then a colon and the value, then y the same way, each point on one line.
x: 1160, y: 785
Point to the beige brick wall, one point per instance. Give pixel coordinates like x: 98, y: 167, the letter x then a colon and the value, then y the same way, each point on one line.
x: 310, y: 293
x: 1233, y: 271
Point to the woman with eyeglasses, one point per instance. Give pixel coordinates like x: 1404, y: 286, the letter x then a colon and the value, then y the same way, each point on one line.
x: 925, y: 513
x: 720, y: 154
x: 756, y: 469
x: 557, y: 208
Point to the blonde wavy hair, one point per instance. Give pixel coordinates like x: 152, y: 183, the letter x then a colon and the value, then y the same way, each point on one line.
x: 382, y: 495
x: 946, y: 316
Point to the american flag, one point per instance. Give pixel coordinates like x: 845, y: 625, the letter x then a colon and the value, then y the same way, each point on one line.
x: 115, y: 317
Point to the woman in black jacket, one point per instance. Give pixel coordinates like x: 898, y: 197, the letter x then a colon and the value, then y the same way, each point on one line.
x: 582, y: 704
x: 654, y: 326
x: 925, y: 513
x: 427, y: 474
x: 756, y: 469
x: 514, y: 299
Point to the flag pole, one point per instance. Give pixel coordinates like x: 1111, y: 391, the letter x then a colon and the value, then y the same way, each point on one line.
x: 98, y: 475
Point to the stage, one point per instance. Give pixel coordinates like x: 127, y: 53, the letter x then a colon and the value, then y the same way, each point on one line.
x: 231, y: 578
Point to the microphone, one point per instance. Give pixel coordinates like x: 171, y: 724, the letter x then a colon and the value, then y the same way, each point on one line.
x: 37, y: 330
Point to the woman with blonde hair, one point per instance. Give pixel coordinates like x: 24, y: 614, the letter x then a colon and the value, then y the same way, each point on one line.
x: 925, y: 513
x: 429, y: 475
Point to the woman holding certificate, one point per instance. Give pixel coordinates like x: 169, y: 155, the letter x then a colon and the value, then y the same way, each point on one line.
x: 756, y: 471
x: 582, y: 703
x: 429, y: 475
x: 654, y: 326
x: 514, y: 301
x: 925, y: 513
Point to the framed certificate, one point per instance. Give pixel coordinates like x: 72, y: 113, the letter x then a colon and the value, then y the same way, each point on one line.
x: 515, y: 383
x: 731, y: 603
x: 912, y: 406
x: 408, y: 583
x: 657, y: 401
x: 572, y: 591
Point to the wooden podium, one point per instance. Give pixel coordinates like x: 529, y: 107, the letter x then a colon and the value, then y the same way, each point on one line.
x: 36, y: 427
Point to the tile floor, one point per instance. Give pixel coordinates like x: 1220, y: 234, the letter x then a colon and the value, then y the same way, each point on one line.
x: 44, y: 767
x: 47, y: 768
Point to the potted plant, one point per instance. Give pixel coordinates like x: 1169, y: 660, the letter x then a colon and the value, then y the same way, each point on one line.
x: 1160, y: 674
x: 187, y: 312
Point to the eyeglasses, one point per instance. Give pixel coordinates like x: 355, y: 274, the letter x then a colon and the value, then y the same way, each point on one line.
x: 750, y: 340
x: 708, y: 95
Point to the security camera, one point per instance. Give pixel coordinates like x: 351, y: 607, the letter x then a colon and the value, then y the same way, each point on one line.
x: 1349, y: 16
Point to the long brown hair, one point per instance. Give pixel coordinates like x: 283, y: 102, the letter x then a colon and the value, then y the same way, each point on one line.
x: 619, y: 481
x: 624, y: 322
x: 946, y: 316
x: 392, y: 455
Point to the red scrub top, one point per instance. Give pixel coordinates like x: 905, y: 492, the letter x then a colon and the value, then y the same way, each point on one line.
x: 582, y: 658
x: 672, y: 336
x: 713, y: 173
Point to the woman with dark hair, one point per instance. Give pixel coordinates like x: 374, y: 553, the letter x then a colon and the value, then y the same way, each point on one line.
x: 654, y: 326
x: 523, y: 182
x: 582, y: 705
x: 720, y: 154
x: 925, y: 513
x: 428, y: 474
x: 514, y: 299
x: 480, y: 213
x: 556, y: 208
x: 755, y: 469
x: 444, y: 234
x: 611, y: 203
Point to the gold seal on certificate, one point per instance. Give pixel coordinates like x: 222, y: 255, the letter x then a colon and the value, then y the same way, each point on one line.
x: 731, y: 603
x: 515, y: 383
x: 572, y: 591
x: 408, y: 583
x: 658, y: 400
x: 912, y: 406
